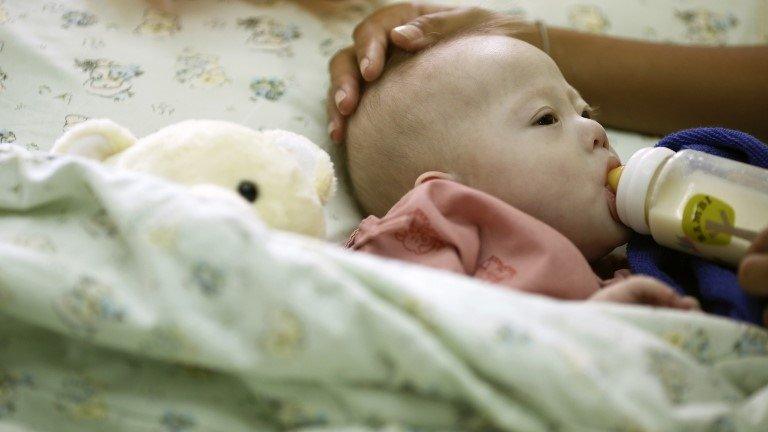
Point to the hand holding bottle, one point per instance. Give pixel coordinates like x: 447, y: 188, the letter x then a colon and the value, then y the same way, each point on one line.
x: 753, y: 269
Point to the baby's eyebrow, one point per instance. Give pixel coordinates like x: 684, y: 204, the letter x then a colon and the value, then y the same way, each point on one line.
x: 574, y: 95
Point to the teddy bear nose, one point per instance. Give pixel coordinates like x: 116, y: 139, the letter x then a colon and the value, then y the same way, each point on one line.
x: 248, y: 190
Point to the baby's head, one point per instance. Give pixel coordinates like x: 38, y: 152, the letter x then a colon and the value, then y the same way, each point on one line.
x: 493, y: 113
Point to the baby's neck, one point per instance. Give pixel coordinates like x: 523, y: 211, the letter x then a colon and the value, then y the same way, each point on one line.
x: 607, y: 265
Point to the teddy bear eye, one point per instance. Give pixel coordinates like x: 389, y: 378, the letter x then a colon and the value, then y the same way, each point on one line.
x: 248, y: 190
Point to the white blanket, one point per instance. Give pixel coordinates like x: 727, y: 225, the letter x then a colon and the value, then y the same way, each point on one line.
x: 127, y: 303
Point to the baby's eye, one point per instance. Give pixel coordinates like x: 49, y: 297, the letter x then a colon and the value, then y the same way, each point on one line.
x: 546, y: 119
x: 586, y: 114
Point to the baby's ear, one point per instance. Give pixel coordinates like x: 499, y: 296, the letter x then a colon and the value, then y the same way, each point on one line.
x: 432, y: 175
x: 94, y: 139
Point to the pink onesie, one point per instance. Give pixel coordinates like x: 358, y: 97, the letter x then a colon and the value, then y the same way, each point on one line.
x: 447, y: 225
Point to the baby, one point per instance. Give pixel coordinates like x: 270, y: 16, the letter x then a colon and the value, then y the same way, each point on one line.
x: 476, y: 156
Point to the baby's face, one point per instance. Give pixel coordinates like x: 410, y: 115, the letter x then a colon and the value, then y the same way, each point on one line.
x: 527, y: 138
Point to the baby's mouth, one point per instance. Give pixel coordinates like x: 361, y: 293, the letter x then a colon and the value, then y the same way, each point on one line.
x: 613, y: 162
x: 611, y: 198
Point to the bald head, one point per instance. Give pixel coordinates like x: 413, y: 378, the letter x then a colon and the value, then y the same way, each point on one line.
x: 422, y: 114
x: 497, y: 114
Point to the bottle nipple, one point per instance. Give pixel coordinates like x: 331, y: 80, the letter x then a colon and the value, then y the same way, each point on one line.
x: 613, y: 178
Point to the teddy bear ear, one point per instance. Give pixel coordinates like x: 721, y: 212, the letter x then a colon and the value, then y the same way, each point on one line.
x: 95, y: 139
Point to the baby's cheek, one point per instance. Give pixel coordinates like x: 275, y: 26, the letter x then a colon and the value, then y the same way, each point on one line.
x: 563, y: 183
x: 575, y: 204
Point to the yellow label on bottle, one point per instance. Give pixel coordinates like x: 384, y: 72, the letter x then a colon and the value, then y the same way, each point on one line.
x: 708, y: 220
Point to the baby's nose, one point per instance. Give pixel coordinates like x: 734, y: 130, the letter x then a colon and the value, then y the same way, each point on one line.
x: 598, y: 143
x: 600, y: 139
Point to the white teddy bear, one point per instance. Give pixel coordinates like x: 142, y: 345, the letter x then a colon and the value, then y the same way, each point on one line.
x: 284, y: 176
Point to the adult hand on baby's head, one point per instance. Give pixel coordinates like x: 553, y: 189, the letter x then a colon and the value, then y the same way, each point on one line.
x: 364, y: 60
x: 647, y: 291
x: 409, y: 26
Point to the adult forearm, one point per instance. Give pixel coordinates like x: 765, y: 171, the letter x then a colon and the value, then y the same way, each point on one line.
x: 659, y: 88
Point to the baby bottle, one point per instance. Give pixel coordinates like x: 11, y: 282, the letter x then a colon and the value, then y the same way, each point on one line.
x: 693, y: 202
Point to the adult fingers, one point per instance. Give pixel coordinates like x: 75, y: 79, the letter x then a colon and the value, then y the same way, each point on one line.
x: 371, y: 36
x: 427, y: 29
x: 343, y: 93
x: 370, y: 49
x: 336, y: 122
x: 753, y: 274
x: 345, y: 81
x: 760, y: 244
x: 753, y: 269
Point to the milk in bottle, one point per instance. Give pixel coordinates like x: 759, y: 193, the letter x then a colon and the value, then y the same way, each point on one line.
x: 693, y: 202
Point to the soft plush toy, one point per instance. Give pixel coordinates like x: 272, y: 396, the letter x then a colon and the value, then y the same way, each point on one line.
x: 284, y: 176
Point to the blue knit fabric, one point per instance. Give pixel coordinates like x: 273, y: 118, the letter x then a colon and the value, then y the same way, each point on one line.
x: 716, y: 287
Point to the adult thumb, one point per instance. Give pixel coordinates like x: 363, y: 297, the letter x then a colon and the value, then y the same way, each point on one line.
x: 428, y: 29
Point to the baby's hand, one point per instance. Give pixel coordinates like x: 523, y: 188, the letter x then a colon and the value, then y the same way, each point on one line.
x: 647, y: 291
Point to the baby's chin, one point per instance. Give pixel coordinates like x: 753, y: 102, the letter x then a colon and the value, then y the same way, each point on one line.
x: 623, y: 235
x: 606, y: 237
